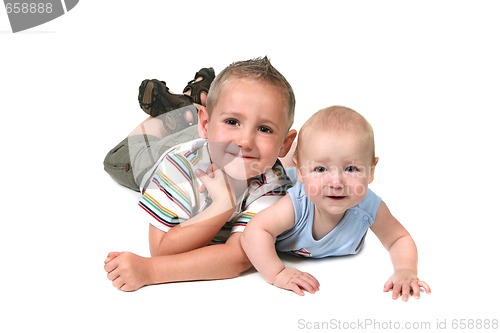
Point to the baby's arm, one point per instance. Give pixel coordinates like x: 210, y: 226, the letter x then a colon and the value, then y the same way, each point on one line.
x: 403, y: 253
x: 258, y: 243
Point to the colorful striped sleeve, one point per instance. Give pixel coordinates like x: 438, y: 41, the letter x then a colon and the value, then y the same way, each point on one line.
x: 172, y: 195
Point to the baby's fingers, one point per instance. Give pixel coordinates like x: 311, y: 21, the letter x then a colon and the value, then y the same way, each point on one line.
x: 406, y: 290
x: 388, y: 285
x: 424, y: 285
x: 397, y: 289
x: 311, y: 280
x: 307, y: 282
x: 296, y: 289
x: 415, y: 288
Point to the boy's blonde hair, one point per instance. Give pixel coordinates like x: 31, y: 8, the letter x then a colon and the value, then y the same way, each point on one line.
x: 255, y: 69
x: 337, y: 119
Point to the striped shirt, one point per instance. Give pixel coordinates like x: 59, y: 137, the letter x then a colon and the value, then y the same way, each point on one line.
x: 171, y: 195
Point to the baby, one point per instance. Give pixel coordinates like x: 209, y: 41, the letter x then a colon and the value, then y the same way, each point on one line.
x: 329, y: 210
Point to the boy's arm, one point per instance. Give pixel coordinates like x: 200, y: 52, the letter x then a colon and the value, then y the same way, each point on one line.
x: 188, y: 235
x: 200, y: 229
x: 403, y: 253
x: 221, y: 261
x: 129, y: 272
x: 258, y: 241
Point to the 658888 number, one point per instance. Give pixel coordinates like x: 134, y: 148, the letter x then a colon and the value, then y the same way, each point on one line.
x: 28, y: 8
x: 474, y: 324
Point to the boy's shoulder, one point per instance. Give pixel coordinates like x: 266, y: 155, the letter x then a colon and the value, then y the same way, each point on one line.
x: 182, y: 158
x: 189, y: 146
x: 274, y: 182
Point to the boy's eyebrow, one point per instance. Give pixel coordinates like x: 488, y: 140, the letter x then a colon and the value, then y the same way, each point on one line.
x: 238, y: 114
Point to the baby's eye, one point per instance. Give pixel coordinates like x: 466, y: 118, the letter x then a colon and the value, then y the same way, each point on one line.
x: 231, y: 121
x: 351, y: 168
x: 265, y: 129
x: 320, y: 169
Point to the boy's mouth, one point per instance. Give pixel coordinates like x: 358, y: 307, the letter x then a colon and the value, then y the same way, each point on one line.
x: 245, y: 157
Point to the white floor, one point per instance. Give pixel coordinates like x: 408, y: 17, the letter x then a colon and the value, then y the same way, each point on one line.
x: 424, y: 74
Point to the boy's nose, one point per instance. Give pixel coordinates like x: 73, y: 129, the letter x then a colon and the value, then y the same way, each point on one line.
x: 246, y: 139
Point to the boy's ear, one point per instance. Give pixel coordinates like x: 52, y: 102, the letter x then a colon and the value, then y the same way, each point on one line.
x: 287, y: 143
x: 203, y: 122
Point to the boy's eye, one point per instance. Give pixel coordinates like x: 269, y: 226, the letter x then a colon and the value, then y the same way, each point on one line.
x: 265, y: 129
x: 231, y: 122
x: 320, y: 169
x: 351, y: 168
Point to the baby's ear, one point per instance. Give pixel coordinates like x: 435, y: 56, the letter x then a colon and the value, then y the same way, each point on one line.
x: 372, y: 169
x: 203, y: 122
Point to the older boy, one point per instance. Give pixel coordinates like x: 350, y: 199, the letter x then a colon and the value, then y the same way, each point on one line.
x: 244, y: 128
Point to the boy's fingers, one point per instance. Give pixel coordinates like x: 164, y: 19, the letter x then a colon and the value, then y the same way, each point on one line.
x: 111, y: 256
x: 200, y: 173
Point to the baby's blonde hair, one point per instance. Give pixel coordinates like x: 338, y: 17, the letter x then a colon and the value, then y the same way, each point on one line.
x: 337, y: 119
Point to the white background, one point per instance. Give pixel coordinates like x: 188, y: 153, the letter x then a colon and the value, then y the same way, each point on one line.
x: 426, y: 74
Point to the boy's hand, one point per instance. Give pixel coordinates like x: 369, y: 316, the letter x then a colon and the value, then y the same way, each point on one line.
x: 405, y: 283
x: 221, y: 188
x: 127, y: 271
x: 215, y: 182
x: 296, y: 281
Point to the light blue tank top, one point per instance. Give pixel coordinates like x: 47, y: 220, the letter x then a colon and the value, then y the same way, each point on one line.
x: 345, y: 239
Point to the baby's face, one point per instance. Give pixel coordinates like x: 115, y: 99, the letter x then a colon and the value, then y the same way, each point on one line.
x: 335, y: 170
x: 247, y: 128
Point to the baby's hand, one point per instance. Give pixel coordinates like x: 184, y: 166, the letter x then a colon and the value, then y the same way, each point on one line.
x: 296, y: 281
x: 405, y: 283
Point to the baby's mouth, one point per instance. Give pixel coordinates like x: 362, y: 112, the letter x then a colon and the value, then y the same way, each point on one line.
x: 336, y: 197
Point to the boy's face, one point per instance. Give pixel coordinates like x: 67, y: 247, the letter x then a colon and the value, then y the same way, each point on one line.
x: 247, y: 131
x: 335, y: 169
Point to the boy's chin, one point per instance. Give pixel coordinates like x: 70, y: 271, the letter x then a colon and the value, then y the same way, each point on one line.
x: 237, y: 173
x: 241, y: 172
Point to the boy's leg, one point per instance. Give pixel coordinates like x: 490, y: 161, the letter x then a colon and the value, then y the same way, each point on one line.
x: 130, y: 159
